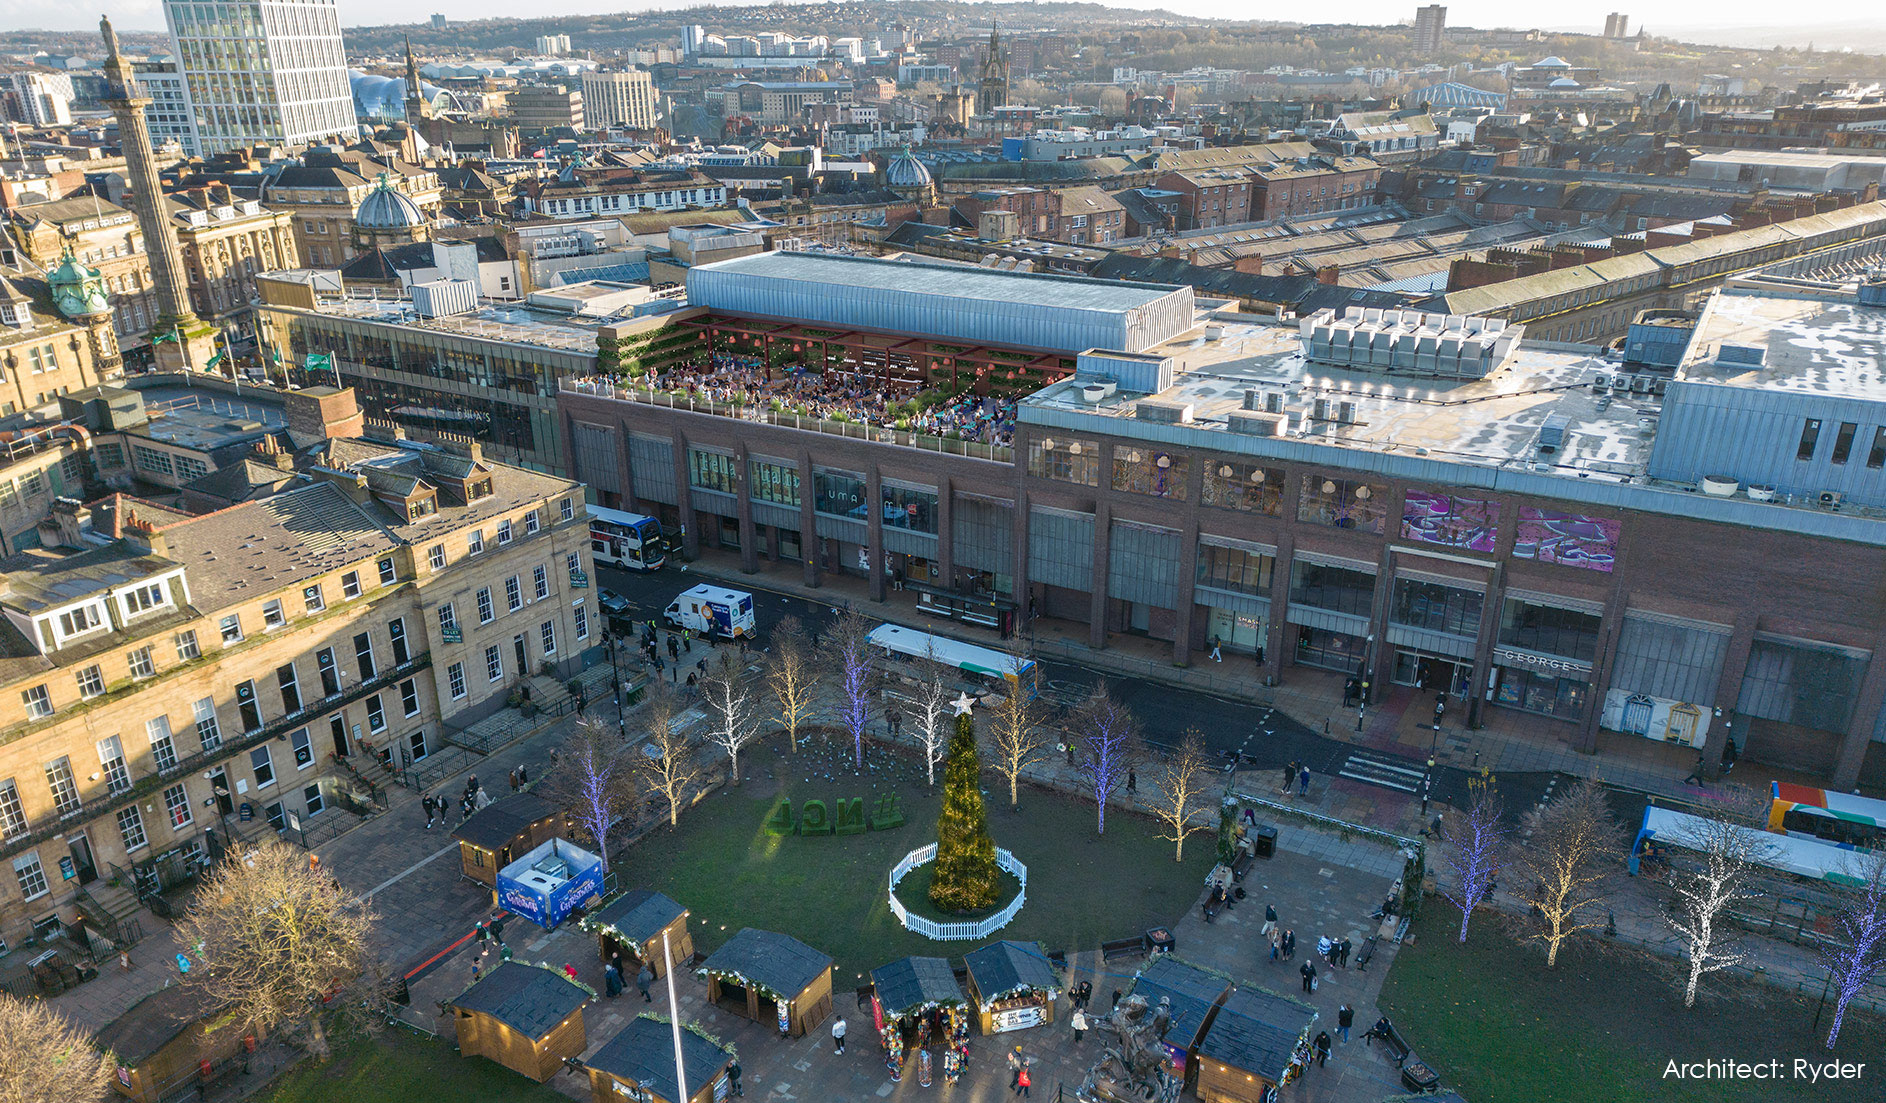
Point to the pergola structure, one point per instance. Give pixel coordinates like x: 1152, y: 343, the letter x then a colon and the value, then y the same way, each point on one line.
x: 894, y: 362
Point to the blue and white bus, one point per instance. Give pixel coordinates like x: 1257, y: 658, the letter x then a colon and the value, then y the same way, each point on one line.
x: 629, y: 540
x: 984, y: 666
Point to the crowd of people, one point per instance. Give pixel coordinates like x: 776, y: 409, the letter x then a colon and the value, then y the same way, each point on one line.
x: 832, y: 396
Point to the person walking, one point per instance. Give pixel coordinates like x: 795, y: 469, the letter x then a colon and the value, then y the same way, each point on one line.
x: 425, y: 802
x: 1308, y: 971
x: 523, y: 775
x: 1276, y: 944
x: 687, y: 640
x: 1345, y: 1018
x: 1270, y: 918
x: 674, y: 648
x: 1022, y: 1082
x: 1290, y: 775
x: 1325, y: 949
x: 1079, y: 1023
x: 1132, y: 784
x: 1290, y: 944
x: 611, y: 981
x: 1216, y: 656
x: 1342, y: 953
x: 1322, y: 1048
x: 838, y: 1035
x: 642, y: 980
x: 1014, y: 1067
x: 1303, y: 781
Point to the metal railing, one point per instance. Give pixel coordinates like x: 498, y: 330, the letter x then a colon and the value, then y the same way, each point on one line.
x: 759, y: 412
x: 963, y: 929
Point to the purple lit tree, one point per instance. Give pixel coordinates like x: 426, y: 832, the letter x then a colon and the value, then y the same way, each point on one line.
x: 591, y: 781
x: 848, y: 656
x: 1475, y: 842
x: 1857, y: 950
x: 1110, y: 743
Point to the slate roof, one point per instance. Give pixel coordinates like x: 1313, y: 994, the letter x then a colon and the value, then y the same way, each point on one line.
x: 909, y: 983
x: 503, y: 820
x: 242, y: 481
x: 644, y: 1053
x: 152, y: 1023
x: 1010, y: 966
x: 526, y: 998
x: 267, y: 546
x: 1256, y: 1031
x: 637, y: 915
x: 777, y: 962
x: 1302, y: 293
x: 1192, y: 991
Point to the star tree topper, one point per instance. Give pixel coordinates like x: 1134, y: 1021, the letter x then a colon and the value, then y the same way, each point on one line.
x: 963, y: 704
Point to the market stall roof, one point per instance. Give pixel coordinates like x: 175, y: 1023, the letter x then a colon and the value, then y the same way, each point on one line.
x: 1256, y: 1031
x: 501, y: 821
x: 152, y: 1023
x: 644, y: 1053
x: 636, y: 916
x: 776, y: 962
x: 1002, y: 967
x: 527, y: 998
x: 911, y: 983
x: 1193, y: 992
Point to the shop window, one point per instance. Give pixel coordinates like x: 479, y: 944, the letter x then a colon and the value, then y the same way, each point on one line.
x: 773, y: 482
x: 1342, y: 504
x: 1065, y: 460
x: 838, y: 493
x: 1147, y: 471
x: 1549, y: 629
x: 1337, y: 589
x: 1245, y: 487
x: 1436, y: 607
x: 910, y: 507
x: 1235, y: 569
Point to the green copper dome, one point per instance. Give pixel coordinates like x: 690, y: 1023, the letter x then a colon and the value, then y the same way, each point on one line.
x: 78, y: 291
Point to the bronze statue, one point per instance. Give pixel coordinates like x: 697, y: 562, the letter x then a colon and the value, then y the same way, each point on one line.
x: 1137, y: 1068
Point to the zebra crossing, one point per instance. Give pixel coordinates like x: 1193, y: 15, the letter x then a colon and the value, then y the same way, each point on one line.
x: 1387, y: 771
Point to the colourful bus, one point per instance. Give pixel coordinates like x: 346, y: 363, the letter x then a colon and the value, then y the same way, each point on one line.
x: 983, y: 665
x: 1800, y: 856
x: 629, y: 540
x: 1842, y: 819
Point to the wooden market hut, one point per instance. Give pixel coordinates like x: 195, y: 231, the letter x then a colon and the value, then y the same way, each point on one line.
x: 758, y: 971
x: 492, y: 837
x: 912, y: 986
x: 1249, y: 1045
x: 1194, y: 995
x: 642, y: 1059
x: 525, y: 1017
x: 160, y: 1044
x: 632, y: 925
x: 1013, y: 986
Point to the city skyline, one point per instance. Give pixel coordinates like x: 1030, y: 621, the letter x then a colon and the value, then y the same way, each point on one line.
x: 1743, y: 20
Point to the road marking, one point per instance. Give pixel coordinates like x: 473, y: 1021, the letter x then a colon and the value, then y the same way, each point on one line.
x: 1389, y: 773
x: 401, y: 875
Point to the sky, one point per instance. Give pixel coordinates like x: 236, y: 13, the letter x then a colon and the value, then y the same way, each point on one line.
x: 1582, y: 15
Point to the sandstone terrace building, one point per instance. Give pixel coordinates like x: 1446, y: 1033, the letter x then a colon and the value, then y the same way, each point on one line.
x: 172, y: 680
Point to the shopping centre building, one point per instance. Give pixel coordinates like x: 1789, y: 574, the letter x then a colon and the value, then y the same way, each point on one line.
x: 1686, y: 554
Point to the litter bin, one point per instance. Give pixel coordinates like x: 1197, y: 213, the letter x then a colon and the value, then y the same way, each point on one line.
x: 1266, y: 839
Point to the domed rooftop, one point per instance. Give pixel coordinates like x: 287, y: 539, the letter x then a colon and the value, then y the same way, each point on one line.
x: 905, y: 171
x: 1553, y: 62
x: 387, y: 209
x: 1564, y: 82
x: 76, y: 289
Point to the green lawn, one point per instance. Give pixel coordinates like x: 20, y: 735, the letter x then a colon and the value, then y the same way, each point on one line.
x: 1603, y: 1025
x: 830, y: 891
x: 399, y: 1067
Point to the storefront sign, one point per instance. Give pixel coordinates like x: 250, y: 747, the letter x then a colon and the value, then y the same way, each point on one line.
x: 451, y: 634
x: 67, y: 868
x: 579, y: 580
x: 1542, y: 664
x: 1016, y: 1018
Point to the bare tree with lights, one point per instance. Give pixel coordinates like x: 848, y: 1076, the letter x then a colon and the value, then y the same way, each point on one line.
x: 1726, y: 854
x: 1564, y: 864
x: 792, y: 675
x: 848, y: 657
x: 1015, y: 725
x: 1857, y: 951
x: 931, y: 710
x: 1109, y: 746
x: 734, y: 707
x: 668, y: 765
x: 1180, y: 790
x: 1476, y: 848
x: 591, y: 781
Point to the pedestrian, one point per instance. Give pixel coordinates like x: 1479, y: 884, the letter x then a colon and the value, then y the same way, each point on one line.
x: 1728, y: 756
x: 1276, y: 943
x: 1116, y: 997
x: 733, y: 1079
x: 1342, y: 953
x: 483, y: 933
x: 1270, y: 918
x: 1290, y: 943
x: 1345, y: 1017
x: 674, y: 649
x: 1324, y: 948
x: 471, y: 785
x: 611, y: 981
x: 1022, y: 1083
x: 1132, y: 784
x: 478, y: 964
x: 1087, y: 993
x: 523, y: 775
x: 1308, y: 971
x: 427, y: 803
x: 1014, y: 1067
x: 569, y: 971
x: 124, y: 960
x: 1290, y: 775
x: 1322, y: 1048
x: 643, y: 979
x: 1079, y: 1023
x: 687, y: 640
x: 497, y: 930
x: 1217, y: 656
x: 838, y: 1035
x: 1303, y: 781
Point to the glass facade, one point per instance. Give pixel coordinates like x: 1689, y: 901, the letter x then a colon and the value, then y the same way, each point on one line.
x: 1065, y: 460
x: 1437, y: 607
x: 1342, y: 504
x: 839, y: 493
x: 1548, y: 629
x: 773, y: 482
x: 1235, y: 569
x: 1329, y: 650
x: 910, y: 507
x: 1144, y: 471
x: 1245, y: 487
x: 1545, y: 694
x: 1337, y: 589
x: 713, y: 471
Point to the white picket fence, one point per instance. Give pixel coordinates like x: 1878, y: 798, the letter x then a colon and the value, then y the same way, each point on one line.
x: 945, y: 932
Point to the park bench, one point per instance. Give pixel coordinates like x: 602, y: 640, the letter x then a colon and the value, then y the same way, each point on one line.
x: 1123, y: 947
x: 1393, y: 1042
x: 1367, y: 952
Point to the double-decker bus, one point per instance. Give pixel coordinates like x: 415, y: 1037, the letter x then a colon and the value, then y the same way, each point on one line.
x: 629, y: 540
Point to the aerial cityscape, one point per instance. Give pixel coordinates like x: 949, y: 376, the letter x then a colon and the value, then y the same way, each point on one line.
x: 901, y: 550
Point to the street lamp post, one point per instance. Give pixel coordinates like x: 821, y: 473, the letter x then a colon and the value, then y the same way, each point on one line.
x: 615, y: 674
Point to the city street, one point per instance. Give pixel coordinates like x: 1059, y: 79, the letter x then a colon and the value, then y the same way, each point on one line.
x: 1263, y: 738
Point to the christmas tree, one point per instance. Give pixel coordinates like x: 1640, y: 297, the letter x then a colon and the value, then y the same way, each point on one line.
x: 965, y: 877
